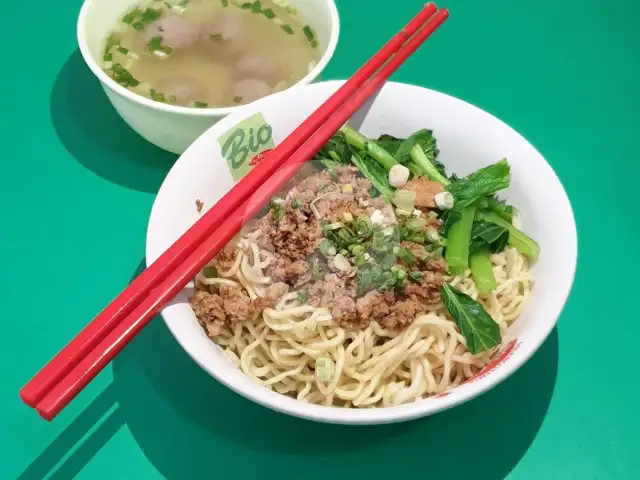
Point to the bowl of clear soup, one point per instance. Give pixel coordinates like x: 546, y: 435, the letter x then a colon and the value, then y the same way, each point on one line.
x: 173, y: 68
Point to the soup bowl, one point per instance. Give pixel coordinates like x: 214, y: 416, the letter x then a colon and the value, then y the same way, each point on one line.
x: 170, y: 127
x: 468, y: 138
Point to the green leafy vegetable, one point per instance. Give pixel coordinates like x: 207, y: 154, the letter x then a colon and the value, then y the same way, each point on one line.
x: 482, y: 271
x: 419, y: 153
x: 517, y: 239
x: 458, y: 240
x: 483, y: 182
x: 480, y: 331
x: 501, y: 208
x: 336, y: 149
x: 489, y: 235
x: 449, y: 218
x: 375, y: 173
x: 362, y: 143
x: 390, y: 143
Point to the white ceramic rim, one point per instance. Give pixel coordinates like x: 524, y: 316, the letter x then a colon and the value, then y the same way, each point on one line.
x: 400, y: 413
x: 195, y: 112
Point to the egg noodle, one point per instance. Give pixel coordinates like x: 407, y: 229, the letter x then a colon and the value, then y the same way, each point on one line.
x: 374, y: 366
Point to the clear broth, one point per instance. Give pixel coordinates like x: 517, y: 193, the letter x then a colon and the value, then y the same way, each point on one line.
x: 210, y: 53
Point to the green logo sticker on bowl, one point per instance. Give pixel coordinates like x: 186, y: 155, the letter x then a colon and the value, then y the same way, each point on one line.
x: 245, y: 141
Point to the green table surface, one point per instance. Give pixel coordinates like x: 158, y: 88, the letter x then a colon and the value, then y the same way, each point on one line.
x: 76, y: 187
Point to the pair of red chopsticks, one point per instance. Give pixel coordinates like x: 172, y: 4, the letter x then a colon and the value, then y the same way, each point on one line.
x: 101, y: 340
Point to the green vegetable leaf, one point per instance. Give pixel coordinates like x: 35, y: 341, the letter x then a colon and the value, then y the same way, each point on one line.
x: 517, y: 239
x: 337, y: 149
x: 478, y: 328
x: 390, y: 143
x: 449, y: 218
x: 484, y: 234
x: 375, y: 172
x: 427, y: 142
x: 481, y: 183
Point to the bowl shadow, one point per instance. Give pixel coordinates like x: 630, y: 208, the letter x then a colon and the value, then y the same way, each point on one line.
x: 94, y: 134
x: 190, y: 426
x: 185, y: 421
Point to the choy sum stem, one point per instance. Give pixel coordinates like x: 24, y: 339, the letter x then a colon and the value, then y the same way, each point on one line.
x: 482, y: 271
x: 428, y: 168
x: 360, y: 142
x: 458, y: 240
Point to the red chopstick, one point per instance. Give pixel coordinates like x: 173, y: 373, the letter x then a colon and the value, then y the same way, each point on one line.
x: 124, y: 332
x: 46, y: 379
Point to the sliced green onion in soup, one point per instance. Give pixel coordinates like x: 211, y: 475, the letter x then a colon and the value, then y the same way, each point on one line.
x: 287, y: 28
x: 308, y: 32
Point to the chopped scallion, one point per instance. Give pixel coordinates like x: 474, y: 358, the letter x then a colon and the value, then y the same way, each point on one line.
x: 404, y: 254
x: 417, y: 224
x: 405, y: 200
x: 210, y: 272
x: 324, y: 369
x: 327, y: 248
x: 308, y: 32
x: 131, y: 16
